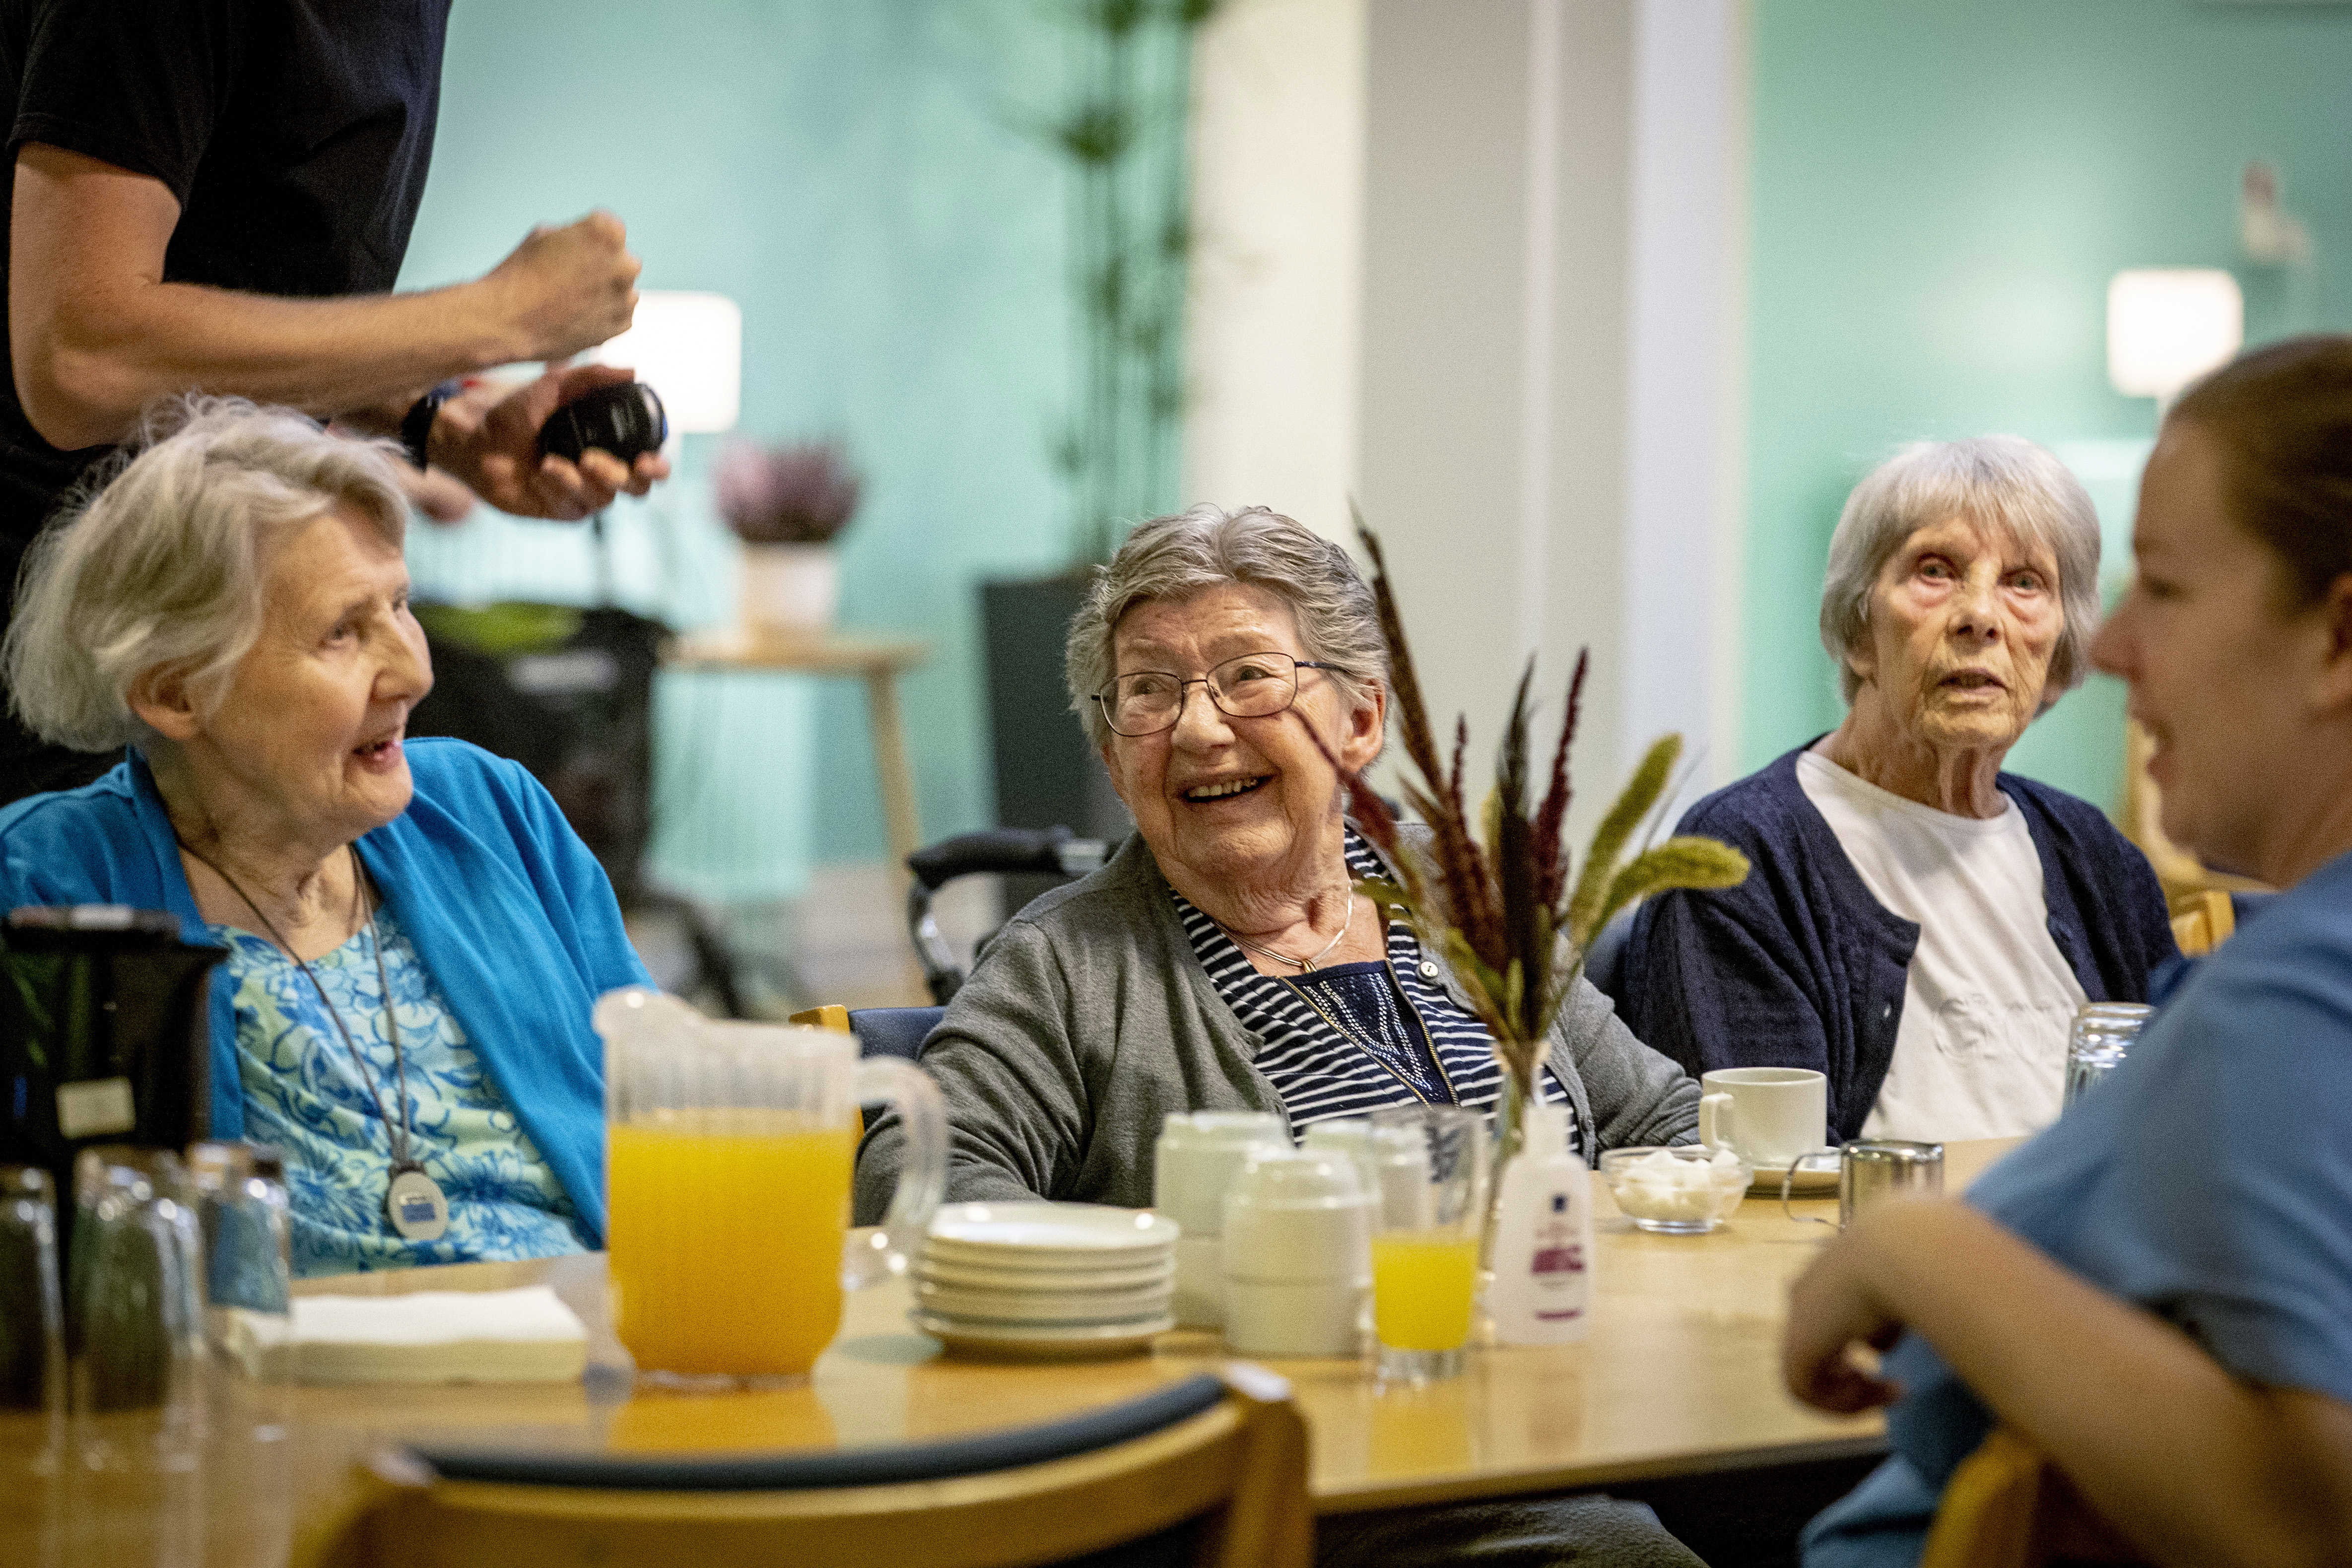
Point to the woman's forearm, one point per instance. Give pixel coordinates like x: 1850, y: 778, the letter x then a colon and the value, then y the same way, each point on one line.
x: 2191, y: 1464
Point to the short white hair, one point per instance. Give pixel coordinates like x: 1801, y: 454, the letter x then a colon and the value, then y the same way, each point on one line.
x: 1206, y: 547
x: 2005, y: 483
x: 165, y: 562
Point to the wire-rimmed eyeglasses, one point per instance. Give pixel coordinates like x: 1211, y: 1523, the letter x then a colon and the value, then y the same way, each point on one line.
x: 1253, y: 686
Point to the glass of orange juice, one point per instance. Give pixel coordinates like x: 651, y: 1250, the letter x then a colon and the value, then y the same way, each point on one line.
x: 1425, y: 1245
x: 729, y: 1150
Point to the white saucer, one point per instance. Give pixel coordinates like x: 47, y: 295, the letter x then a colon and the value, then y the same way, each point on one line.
x: 1085, y: 1232
x: 1044, y: 1305
x: 1015, y: 1341
x: 991, y: 1277
x: 1810, y: 1182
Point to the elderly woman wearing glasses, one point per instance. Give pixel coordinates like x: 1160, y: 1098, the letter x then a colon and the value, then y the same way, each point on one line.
x: 1223, y: 961
x: 1920, y: 926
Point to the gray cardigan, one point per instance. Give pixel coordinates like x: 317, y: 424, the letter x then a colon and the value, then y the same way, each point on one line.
x: 1090, y: 1019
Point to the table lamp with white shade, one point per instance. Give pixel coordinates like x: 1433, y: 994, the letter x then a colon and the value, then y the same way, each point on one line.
x: 2168, y: 325
x: 688, y: 347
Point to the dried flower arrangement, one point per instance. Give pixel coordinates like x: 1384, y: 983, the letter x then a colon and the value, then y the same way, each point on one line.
x: 1499, y: 904
x: 798, y: 493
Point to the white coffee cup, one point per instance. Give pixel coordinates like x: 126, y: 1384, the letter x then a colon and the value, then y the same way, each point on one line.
x: 1195, y: 1160
x: 1768, y: 1116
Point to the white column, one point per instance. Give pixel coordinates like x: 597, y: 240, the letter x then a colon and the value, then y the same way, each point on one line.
x: 1273, y: 330
x: 1685, y: 464
x: 1481, y: 264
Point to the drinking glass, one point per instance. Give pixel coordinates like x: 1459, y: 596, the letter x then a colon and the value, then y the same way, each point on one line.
x: 134, y: 1323
x: 32, y: 1317
x: 243, y: 1212
x: 729, y: 1150
x: 1426, y: 1238
x: 2102, y: 1036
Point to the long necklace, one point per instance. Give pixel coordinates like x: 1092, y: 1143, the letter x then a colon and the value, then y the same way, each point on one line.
x: 414, y: 1202
x: 1301, y: 964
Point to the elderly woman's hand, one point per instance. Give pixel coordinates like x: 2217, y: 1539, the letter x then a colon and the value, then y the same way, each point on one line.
x: 1832, y: 1309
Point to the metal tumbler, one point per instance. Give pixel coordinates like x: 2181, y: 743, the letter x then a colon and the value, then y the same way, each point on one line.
x: 1870, y: 1168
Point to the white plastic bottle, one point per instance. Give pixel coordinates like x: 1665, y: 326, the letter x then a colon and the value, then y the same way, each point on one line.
x: 1543, y: 1293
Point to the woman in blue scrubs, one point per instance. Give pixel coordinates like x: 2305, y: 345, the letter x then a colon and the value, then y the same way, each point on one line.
x: 2156, y: 1292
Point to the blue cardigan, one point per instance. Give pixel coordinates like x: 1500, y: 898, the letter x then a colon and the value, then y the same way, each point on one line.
x: 1801, y: 966
x: 509, y: 912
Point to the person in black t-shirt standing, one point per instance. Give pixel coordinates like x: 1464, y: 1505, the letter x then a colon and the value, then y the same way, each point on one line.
x: 216, y: 195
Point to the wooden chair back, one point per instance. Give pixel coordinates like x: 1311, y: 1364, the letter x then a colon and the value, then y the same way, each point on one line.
x: 831, y: 1016
x: 2202, y: 921
x: 1239, y: 1468
x: 2008, y: 1507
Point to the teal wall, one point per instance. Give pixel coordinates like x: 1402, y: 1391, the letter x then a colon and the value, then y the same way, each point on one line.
x: 1942, y: 189
x: 852, y: 175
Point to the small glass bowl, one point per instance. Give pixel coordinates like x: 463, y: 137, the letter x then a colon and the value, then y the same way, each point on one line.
x: 1676, y: 1209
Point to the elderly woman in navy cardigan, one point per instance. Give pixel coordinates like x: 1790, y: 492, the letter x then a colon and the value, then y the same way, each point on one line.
x: 1919, y: 926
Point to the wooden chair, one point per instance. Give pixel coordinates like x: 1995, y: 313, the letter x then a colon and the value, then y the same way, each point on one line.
x: 2202, y: 921
x: 2008, y: 1507
x: 1239, y: 1467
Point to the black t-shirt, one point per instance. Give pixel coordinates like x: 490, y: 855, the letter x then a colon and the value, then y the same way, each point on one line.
x: 295, y: 134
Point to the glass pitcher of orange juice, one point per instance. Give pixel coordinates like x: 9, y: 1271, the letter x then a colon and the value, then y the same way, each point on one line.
x: 729, y: 1149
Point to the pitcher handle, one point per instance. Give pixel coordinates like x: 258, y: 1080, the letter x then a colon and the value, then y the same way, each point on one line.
x: 922, y: 1168
x: 1788, y: 1180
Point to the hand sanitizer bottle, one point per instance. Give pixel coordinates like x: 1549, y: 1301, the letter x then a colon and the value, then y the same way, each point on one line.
x: 1543, y: 1293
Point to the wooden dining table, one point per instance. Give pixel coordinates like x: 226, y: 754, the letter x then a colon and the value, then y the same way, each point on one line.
x: 1678, y: 1376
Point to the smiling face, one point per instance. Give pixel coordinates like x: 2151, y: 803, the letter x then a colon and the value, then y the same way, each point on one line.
x: 1963, y: 620
x: 1227, y: 802
x: 2220, y: 671
x: 307, y: 741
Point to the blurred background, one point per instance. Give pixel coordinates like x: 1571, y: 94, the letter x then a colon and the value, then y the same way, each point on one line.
x: 1596, y: 307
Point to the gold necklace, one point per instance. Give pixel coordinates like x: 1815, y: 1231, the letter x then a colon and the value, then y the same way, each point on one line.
x: 1302, y: 964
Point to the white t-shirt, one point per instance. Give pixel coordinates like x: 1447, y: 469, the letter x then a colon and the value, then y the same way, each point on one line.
x: 1988, y: 999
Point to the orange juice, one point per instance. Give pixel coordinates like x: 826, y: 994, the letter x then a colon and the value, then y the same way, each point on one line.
x: 1423, y: 1286
x: 726, y: 1235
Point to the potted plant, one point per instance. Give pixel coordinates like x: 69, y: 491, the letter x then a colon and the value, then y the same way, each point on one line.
x: 787, y: 503
x: 1498, y: 892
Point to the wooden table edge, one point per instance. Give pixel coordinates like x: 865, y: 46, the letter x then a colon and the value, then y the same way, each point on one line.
x: 1549, y: 1481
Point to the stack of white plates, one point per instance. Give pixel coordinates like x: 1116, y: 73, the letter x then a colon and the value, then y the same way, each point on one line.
x: 1046, y: 1281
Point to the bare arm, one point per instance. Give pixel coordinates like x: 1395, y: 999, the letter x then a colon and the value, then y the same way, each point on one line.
x: 96, y: 333
x: 2190, y: 1464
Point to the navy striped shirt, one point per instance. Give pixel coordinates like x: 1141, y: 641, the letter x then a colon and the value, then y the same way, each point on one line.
x: 1316, y: 1067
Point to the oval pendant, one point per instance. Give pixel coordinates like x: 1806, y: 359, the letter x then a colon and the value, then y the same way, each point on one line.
x: 418, y: 1207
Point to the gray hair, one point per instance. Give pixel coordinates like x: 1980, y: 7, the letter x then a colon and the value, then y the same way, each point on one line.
x: 165, y: 563
x: 1177, y: 556
x: 2003, y: 482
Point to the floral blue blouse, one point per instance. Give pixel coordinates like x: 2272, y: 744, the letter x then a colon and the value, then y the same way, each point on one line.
x: 302, y: 1094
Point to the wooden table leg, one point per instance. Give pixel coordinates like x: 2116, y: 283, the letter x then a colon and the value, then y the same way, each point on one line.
x: 890, y: 762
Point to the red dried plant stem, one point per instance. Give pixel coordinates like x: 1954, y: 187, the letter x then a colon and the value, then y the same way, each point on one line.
x: 1551, y: 818
x: 1514, y: 869
x: 1459, y: 868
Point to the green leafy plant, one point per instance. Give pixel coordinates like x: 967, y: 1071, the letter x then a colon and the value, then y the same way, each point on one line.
x: 1122, y: 134
x: 1500, y: 902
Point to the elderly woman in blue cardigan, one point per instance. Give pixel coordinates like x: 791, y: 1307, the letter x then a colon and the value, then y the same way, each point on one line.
x: 1919, y: 926
x: 415, y: 936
